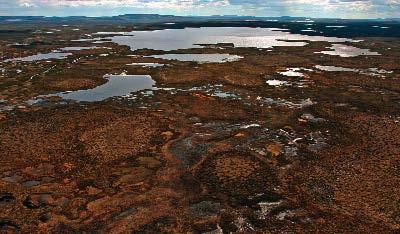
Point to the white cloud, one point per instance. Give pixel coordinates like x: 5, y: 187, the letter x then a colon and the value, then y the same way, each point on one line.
x: 27, y: 4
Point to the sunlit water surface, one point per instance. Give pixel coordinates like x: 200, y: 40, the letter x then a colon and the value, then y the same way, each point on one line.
x: 117, y: 85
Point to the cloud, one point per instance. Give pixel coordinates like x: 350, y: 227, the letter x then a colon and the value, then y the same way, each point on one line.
x: 27, y: 4
x: 129, y: 3
x: 311, y: 8
x: 326, y: 8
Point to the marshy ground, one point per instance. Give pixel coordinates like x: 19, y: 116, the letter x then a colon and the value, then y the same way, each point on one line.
x: 266, y: 143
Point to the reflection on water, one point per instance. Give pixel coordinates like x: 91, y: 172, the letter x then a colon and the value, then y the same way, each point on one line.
x: 291, y: 73
x: 39, y: 57
x: 210, y: 90
x: 78, y: 48
x: 290, y: 104
x: 56, y: 54
x: 221, y: 94
x: 187, y: 38
x: 369, y: 71
x: 147, y: 64
x: 201, y: 58
x: 276, y: 82
x: 294, y: 72
x: 335, y: 69
x: 347, y: 51
x: 117, y: 85
x: 175, y: 39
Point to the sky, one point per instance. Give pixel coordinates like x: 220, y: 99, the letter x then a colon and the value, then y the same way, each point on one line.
x: 307, y: 8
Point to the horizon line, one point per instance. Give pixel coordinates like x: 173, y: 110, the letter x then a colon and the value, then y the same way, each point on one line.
x: 110, y: 16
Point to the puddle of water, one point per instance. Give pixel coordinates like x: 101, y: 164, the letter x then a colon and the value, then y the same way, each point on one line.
x: 110, y: 33
x: 100, y: 42
x: 294, y: 72
x: 175, y: 39
x: 88, y: 39
x: 78, y: 48
x: 35, y: 101
x: 62, y: 53
x: 369, y: 71
x: 282, y: 102
x: 39, y: 57
x: 276, y: 82
x: 18, y: 44
x: 335, y: 69
x: 221, y: 94
x: 117, y: 85
x: 380, y: 71
x: 200, y: 58
x: 250, y: 126
x: 210, y: 90
x: 147, y: 64
x: 347, y: 51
